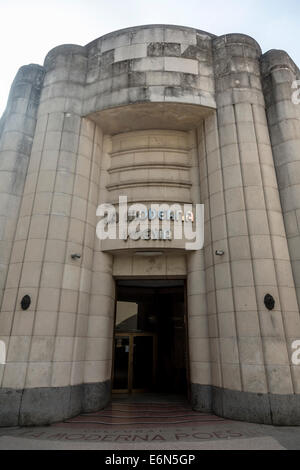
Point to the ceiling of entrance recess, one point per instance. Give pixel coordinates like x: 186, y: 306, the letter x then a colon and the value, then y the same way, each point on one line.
x: 176, y: 116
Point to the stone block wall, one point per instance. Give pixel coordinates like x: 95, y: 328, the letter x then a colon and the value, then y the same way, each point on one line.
x: 162, y: 113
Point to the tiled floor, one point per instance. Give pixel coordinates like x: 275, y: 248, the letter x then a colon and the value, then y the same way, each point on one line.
x: 142, y: 411
x: 150, y: 422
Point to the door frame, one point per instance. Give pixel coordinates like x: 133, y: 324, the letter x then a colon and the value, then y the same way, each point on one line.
x: 131, y: 336
x: 186, y: 322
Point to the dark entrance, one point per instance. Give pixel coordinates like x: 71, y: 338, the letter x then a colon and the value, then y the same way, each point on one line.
x: 150, y: 352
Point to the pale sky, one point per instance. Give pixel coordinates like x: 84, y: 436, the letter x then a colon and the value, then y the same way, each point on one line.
x: 30, y: 28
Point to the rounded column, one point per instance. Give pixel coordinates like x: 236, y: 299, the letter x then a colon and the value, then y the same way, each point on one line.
x: 47, y: 342
x: 17, y: 127
x: 281, y: 83
x: 198, y: 335
x: 259, y: 382
x: 99, y: 342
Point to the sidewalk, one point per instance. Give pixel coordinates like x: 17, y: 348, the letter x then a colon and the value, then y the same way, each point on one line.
x: 156, y: 425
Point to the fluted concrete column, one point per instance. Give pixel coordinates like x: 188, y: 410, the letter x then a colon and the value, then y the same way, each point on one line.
x: 199, y: 342
x: 17, y: 127
x: 99, y: 347
x: 46, y: 344
x: 101, y: 120
x: 279, y: 84
x: 252, y: 344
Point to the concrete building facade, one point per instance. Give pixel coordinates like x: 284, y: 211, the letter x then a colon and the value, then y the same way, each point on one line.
x: 163, y: 114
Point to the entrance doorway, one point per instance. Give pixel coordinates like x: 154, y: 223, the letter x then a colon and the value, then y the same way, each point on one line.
x: 135, y: 362
x: 150, y: 344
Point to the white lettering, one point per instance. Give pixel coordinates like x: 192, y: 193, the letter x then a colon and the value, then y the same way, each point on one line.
x: 2, y: 352
x: 296, y: 354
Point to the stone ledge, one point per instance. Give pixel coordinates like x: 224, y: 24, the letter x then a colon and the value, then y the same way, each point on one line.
x: 42, y: 406
x: 262, y: 408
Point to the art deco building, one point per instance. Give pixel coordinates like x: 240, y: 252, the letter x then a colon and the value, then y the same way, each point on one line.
x: 160, y: 114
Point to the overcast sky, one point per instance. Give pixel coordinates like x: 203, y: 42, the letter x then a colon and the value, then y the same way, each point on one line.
x: 30, y: 28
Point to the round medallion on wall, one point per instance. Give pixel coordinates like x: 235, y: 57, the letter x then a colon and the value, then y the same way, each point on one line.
x: 269, y: 301
x: 25, y: 302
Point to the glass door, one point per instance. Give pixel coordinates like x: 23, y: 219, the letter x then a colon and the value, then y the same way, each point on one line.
x: 134, y: 367
x: 121, y: 362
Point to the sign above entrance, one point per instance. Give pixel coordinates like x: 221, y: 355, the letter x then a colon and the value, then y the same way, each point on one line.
x: 158, y: 222
x: 152, y: 214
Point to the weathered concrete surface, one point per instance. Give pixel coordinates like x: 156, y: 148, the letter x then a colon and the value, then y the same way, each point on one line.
x: 280, y: 75
x: 37, y: 406
x: 162, y: 113
x: 17, y: 128
x: 254, y: 443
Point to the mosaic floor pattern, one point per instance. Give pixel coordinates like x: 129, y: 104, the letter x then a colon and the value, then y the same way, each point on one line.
x: 135, y: 413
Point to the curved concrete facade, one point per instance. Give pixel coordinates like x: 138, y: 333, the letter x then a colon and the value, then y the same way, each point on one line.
x: 162, y: 114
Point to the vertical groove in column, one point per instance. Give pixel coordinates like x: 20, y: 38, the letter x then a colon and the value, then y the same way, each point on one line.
x: 211, y: 244
x: 66, y: 245
x: 83, y: 245
x: 23, y: 257
x: 43, y: 261
x: 273, y: 250
x: 229, y: 254
x: 250, y: 245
